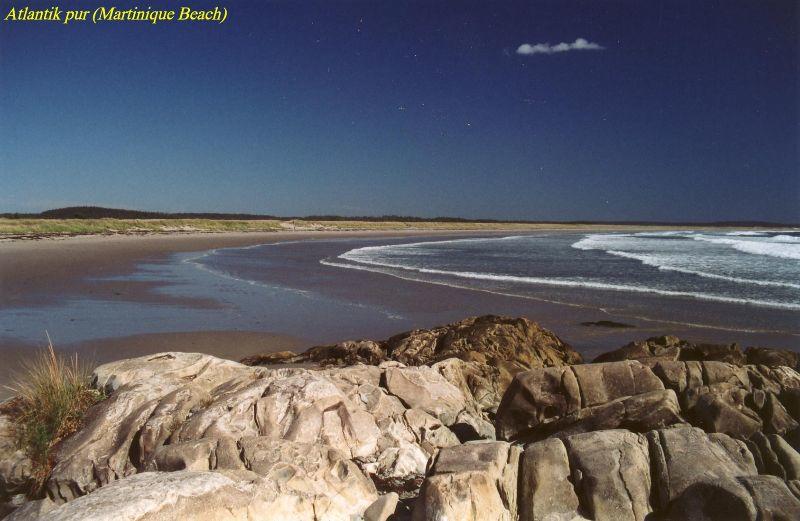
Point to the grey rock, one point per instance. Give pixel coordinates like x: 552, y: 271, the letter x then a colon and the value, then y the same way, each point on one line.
x: 382, y: 508
x: 545, y: 489
x: 611, y: 472
x: 471, y: 482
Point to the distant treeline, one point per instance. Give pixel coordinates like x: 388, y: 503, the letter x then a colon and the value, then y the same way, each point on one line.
x: 98, y: 212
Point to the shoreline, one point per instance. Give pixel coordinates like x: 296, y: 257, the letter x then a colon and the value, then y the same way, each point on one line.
x: 34, y: 271
x: 60, y: 266
x: 49, y: 272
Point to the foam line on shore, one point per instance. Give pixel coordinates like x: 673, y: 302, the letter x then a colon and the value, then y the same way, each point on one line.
x: 356, y: 255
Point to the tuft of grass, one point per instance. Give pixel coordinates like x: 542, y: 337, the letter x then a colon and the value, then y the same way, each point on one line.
x: 53, y: 393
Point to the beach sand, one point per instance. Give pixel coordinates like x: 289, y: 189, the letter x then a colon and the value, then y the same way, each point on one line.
x: 45, y: 271
x: 36, y: 271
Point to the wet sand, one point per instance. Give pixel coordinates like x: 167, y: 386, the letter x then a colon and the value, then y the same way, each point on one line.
x: 47, y: 271
x: 41, y: 271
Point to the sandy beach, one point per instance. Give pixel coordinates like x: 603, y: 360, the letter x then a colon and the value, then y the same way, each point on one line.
x: 46, y: 271
x: 36, y: 271
x: 138, y: 304
x: 38, y: 274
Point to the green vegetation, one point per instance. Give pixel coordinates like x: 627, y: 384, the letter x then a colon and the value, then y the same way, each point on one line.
x: 52, y: 396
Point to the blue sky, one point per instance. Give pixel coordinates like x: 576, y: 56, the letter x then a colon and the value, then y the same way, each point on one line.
x: 688, y: 111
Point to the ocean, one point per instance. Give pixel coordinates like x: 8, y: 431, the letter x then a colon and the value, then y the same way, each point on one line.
x: 747, y: 268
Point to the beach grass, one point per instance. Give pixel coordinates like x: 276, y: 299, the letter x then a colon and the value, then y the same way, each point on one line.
x: 53, y: 394
x: 55, y: 227
x: 34, y: 228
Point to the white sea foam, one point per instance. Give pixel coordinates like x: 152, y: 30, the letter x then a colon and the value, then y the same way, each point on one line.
x: 682, y: 261
x: 366, y: 257
x: 747, y: 234
x: 663, y: 265
x: 781, y: 246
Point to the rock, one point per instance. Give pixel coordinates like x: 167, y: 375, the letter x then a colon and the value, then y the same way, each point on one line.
x: 611, y: 474
x: 772, y: 357
x: 638, y: 413
x: 471, y: 482
x: 607, y: 323
x: 314, y: 473
x: 479, y: 381
x: 771, y: 498
x: 541, y: 396
x: 284, y: 480
x: 184, y: 435
x: 516, y: 340
x: 424, y: 388
x: 717, y: 396
x: 205, y: 415
x: 786, y: 455
x: 535, y: 397
x: 670, y: 348
x: 684, y: 456
x: 545, y: 489
x: 601, y: 383
x: 100, y: 452
x: 777, y: 419
x: 718, y: 499
x: 280, y: 357
x: 503, y: 346
x: 679, y: 472
x: 665, y: 348
x: 15, y: 467
x: 32, y: 510
x: 175, y: 367
x: 747, y: 498
x: 721, y: 408
x: 382, y: 508
x: 170, y: 496
x: 347, y: 353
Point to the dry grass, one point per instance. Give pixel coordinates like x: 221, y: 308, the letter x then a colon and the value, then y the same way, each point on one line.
x: 34, y: 228
x: 66, y: 227
x: 53, y: 393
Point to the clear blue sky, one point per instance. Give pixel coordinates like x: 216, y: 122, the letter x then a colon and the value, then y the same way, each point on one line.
x: 688, y: 112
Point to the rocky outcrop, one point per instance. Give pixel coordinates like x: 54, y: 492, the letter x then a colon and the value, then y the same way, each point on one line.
x: 772, y: 357
x: 715, y: 396
x: 679, y: 472
x: 671, y: 430
x: 323, y: 443
x: 293, y: 484
x: 494, y: 349
x: 671, y: 348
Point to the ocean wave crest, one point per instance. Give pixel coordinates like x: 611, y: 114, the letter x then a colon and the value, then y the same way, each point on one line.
x: 364, y: 257
x: 780, y: 246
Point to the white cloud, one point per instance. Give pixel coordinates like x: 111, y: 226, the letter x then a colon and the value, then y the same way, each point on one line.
x: 580, y: 44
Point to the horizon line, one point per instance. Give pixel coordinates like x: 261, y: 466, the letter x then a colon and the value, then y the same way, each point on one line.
x: 100, y: 212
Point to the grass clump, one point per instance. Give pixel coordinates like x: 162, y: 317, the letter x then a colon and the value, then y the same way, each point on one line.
x: 53, y: 393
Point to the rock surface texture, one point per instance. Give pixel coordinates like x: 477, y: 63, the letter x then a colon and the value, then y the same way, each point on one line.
x: 675, y: 473
x: 671, y: 348
x: 492, y: 348
x: 257, y: 443
x: 652, y: 439
x: 414, y: 428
